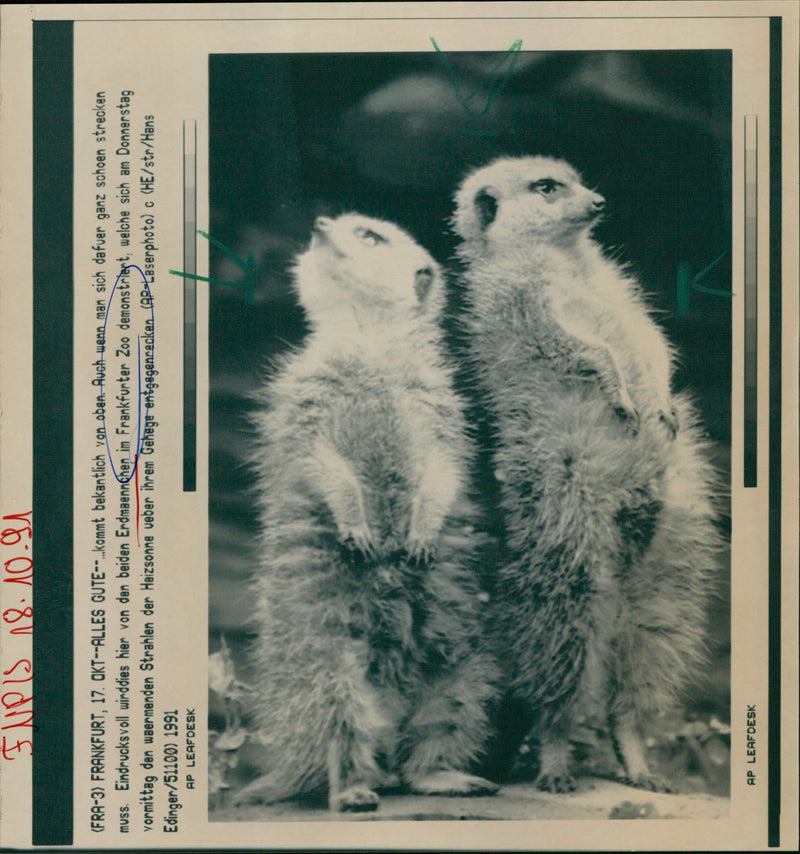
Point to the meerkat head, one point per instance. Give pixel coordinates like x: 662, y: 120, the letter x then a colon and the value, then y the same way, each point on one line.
x: 519, y: 198
x: 369, y: 264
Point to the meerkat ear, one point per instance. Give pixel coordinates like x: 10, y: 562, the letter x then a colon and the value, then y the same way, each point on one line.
x: 486, y: 206
x: 423, y: 279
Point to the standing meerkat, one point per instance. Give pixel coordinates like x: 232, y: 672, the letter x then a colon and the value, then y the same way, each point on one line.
x: 369, y: 659
x: 606, y: 492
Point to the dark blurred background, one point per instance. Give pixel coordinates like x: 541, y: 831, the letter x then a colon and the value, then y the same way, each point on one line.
x: 391, y: 135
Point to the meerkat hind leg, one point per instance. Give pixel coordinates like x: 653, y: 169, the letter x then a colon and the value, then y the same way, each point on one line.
x: 630, y: 750
x: 554, y: 759
x: 448, y: 731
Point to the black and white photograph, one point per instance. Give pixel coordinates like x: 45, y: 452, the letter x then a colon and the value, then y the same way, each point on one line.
x: 399, y: 426
x: 470, y: 426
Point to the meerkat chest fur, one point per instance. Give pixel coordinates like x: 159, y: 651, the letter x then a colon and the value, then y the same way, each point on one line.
x: 540, y: 287
x: 524, y: 287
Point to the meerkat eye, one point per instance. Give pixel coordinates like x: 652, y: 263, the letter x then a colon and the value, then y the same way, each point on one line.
x: 371, y: 238
x: 546, y: 186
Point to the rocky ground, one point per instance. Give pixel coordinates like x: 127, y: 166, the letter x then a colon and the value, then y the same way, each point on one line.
x: 594, y: 799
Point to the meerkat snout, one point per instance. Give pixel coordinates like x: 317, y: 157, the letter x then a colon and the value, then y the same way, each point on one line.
x: 598, y: 203
x: 321, y: 233
x: 374, y: 267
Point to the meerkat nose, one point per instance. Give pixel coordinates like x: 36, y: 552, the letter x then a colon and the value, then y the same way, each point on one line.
x: 322, y: 223
x: 598, y: 203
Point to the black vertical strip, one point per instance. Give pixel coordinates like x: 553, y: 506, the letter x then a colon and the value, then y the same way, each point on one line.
x: 750, y: 301
x: 52, y: 432
x: 775, y: 409
x: 189, y: 306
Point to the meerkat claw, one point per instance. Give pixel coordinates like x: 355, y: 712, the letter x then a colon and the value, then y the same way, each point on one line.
x: 629, y: 416
x: 670, y: 421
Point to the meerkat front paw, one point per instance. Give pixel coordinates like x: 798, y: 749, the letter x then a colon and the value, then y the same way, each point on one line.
x: 629, y: 416
x: 419, y: 549
x: 439, y: 485
x: 669, y: 418
x: 423, y: 531
x: 358, y: 537
x: 625, y: 410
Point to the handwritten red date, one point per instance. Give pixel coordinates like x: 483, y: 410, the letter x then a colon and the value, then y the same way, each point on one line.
x: 15, y: 695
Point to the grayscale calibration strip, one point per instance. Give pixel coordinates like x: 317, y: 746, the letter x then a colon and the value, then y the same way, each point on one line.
x: 189, y: 305
x: 750, y: 300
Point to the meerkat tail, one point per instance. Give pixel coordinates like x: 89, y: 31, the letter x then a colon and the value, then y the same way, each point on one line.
x: 662, y: 642
x: 267, y: 789
x: 448, y: 730
x: 323, y: 730
x: 351, y: 772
